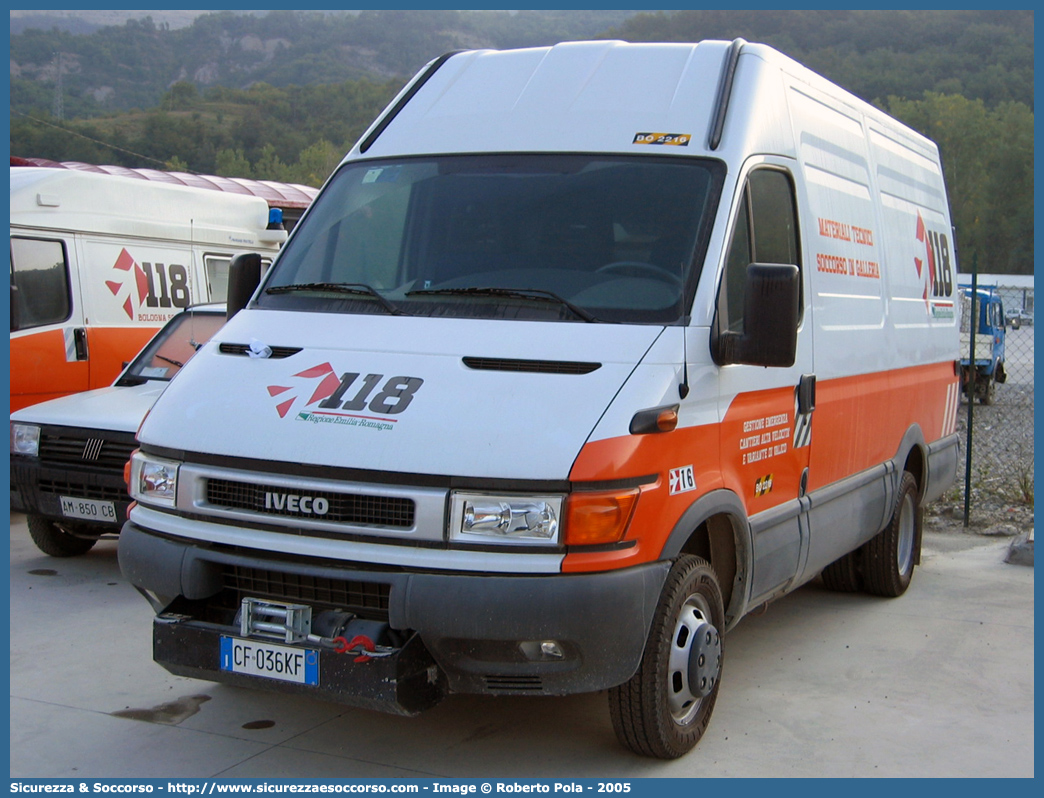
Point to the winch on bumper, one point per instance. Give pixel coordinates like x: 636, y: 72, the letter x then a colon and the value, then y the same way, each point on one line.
x: 435, y: 633
x: 395, y: 675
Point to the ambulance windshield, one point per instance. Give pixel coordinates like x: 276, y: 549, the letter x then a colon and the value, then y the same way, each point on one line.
x: 586, y: 238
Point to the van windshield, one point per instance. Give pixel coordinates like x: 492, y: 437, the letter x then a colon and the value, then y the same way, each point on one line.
x: 586, y: 238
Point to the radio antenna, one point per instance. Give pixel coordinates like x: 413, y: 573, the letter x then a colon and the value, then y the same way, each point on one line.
x: 683, y: 388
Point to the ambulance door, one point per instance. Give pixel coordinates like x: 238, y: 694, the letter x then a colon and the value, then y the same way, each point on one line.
x: 766, y: 412
x: 49, y: 354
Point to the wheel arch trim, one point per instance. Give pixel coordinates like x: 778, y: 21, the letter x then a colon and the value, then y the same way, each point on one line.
x: 725, y: 504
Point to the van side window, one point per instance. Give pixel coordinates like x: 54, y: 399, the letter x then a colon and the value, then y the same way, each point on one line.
x: 40, y: 272
x: 765, y: 232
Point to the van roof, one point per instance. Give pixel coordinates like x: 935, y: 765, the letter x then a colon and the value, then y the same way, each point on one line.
x: 601, y: 96
x: 62, y: 199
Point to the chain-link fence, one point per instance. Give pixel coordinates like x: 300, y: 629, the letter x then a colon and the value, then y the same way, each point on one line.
x: 1001, y: 443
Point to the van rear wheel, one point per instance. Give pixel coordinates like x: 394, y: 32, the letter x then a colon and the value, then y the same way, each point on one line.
x: 664, y: 709
x: 889, y: 557
x: 55, y: 541
x: 844, y: 575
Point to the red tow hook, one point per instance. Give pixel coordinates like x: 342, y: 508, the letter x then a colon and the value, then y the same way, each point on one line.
x: 342, y: 646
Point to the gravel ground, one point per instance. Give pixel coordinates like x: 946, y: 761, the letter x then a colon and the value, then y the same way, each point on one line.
x: 993, y: 513
x: 994, y: 519
x: 990, y: 517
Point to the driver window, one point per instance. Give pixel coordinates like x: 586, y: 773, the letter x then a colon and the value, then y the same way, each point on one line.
x: 765, y: 232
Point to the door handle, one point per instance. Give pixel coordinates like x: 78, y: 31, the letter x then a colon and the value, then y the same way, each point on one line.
x: 80, y: 343
x: 807, y: 393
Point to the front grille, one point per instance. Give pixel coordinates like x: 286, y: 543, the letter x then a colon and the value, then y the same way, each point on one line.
x: 342, y: 508
x: 530, y: 366
x: 367, y: 599
x: 100, y: 451
x: 82, y: 490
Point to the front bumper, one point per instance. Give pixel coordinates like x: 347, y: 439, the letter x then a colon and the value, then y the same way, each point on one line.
x: 404, y: 684
x: 465, y: 633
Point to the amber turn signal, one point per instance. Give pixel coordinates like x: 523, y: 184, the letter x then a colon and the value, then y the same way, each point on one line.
x: 655, y: 419
x: 598, y: 518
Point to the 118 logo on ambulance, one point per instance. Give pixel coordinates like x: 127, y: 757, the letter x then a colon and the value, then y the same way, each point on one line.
x: 936, y: 269
x: 332, y: 392
x: 157, y: 285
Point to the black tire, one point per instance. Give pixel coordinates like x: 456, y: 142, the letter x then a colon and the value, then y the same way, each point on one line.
x: 657, y: 713
x: 55, y: 541
x: 989, y: 391
x: 844, y: 575
x: 889, y: 557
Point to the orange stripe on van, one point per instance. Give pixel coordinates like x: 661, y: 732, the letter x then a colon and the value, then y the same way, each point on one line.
x: 633, y: 456
x: 40, y: 370
x: 112, y: 347
x: 761, y: 460
x: 858, y: 423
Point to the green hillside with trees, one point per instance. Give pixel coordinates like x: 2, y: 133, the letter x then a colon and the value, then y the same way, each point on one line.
x: 282, y: 96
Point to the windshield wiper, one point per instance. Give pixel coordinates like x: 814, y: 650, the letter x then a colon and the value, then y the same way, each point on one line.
x: 537, y: 294
x: 355, y: 289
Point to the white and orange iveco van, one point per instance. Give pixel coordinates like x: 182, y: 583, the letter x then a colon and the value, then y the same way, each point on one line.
x: 581, y: 354
x: 99, y: 263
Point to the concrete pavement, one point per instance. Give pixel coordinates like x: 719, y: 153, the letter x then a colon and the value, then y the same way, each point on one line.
x: 936, y: 683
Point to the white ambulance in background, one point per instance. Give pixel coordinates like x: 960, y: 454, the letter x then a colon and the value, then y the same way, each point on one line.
x: 583, y: 353
x: 99, y: 263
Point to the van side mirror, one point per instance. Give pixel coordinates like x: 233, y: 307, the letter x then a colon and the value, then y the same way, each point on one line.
x: 771, y: 308
x: 16, y: 315
x: 244, y: 275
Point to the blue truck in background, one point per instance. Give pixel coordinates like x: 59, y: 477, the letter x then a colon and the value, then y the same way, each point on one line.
x: 989, y: 332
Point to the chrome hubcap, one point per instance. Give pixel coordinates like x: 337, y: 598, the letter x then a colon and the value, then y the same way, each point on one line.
x: 695, y: 660
x: 905, y: 548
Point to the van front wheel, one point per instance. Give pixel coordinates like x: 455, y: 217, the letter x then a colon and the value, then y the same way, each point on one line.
x: 664, y: 709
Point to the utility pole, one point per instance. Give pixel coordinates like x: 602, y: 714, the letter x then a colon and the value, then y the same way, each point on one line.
x: 57, y: 111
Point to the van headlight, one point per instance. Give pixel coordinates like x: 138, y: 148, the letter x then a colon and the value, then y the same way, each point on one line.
x: 491, y: 518
x: 153, y: 481
x: 25, y: 439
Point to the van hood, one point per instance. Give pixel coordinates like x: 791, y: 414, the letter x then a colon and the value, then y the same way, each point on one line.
x: 117, y: 408
x: 449, y: 397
